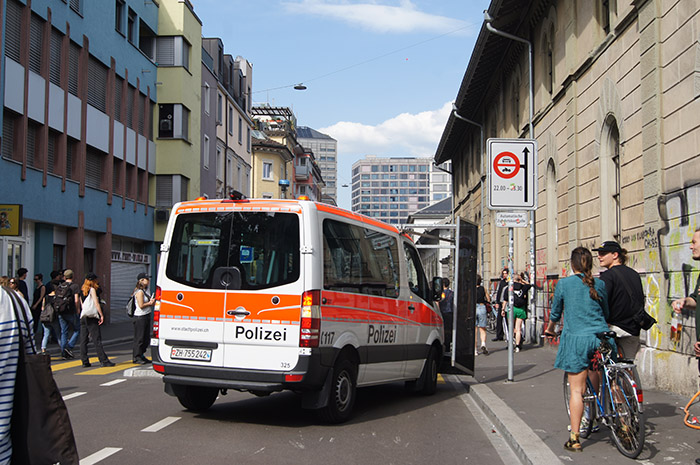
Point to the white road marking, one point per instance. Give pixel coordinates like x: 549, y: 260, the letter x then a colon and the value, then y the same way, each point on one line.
x: 112, y: 383
x: 74, y: 395
x: 160, y: 425
x: 99, y: 455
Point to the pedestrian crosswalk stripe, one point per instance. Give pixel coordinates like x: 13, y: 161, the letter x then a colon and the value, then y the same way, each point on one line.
x: 71, y: 364
x: 160, y: 425
x: 107, y: 370
x: 73, y: 395
x: 440, y: 379
x: 99, y: 455
x: 113, y: 382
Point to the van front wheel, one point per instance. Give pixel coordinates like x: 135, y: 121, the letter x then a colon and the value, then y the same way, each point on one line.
x: 342, y: 394
x: 196, y: 398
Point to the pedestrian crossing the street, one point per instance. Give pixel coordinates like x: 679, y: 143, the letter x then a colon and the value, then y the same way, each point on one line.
x: 58, y: 364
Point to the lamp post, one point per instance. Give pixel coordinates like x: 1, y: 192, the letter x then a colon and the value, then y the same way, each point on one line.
x: 488, y: 19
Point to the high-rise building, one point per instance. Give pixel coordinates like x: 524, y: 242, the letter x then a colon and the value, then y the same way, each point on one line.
x: 390, y: 189
x: 325, y: 149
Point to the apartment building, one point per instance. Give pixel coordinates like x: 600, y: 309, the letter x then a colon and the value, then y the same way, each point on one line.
x: 325, y: 150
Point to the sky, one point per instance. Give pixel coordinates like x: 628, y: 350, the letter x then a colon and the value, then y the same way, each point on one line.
x: 381, y: 75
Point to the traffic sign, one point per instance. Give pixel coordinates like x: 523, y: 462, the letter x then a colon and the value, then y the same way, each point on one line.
x: 512, y: 175
x: 511, y: 219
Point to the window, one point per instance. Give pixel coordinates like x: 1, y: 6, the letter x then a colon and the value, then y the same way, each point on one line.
x: 147, y: 41
x: 248, y: 140
x: 173, y: 121
x: 13, y: 30
x: 230, y: 120
x: 94, y: 161
x: 552, y: 224
x: 359, y: 260
x: 55, y: 59
x: 609, y: 180
x: 77, y: 6
x: 97, y: 84
x: 131, y: 27
x: 219, y: 109
x: 164, y: 191
x: 417, y: 282
x: 172, y: 51
x: 267, y: 171
x: 260, y: 250
x: 205, y: 152
x: 36, y: 43
x: 119, y: 16
x: 240, y: 130
x: 207, y: 98
x: 219, y: 164
x: 73, y: 66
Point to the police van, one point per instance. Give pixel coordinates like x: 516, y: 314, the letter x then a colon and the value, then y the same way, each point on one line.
x: 264, y: 295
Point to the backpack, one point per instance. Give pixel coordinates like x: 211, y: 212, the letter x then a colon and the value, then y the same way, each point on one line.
x: 63, y: 298
x: 131, y: 306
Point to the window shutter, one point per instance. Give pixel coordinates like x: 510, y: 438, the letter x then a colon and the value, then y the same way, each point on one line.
x: 53, y: 140
x: 73, y: 67
x: 164, y: 191
x: 36, y: 39
x: 55, y: 59
x: 93, y: 167
x: 69, y: 158
x: 8, y: 135
x: 165, y: 51
x: 184, y: 184
x: 142, y: 112
x: 31, y: 144
x: 130, y: 107
x: 97, y: 84
x: 118, y: 83
x: 129, y: 180
x: 13, y: 29
x: 75, y: 6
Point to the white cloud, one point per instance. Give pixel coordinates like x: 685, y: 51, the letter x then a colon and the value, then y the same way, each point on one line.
x: 378, y: 17
x: 407, y: 135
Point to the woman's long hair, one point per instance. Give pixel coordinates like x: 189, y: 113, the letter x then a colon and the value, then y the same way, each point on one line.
x: 582, y: 262
x: 87, y: 285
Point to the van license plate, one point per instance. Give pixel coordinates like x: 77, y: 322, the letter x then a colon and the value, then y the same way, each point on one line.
x: 182, y: 353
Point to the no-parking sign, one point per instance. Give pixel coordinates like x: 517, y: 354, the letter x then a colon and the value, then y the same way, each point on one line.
x: 512, y: 174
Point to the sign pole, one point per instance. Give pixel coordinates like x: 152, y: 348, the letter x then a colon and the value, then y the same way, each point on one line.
x: 510, y: 304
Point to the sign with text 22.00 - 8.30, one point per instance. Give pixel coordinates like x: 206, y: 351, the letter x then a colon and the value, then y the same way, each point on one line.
x: 512, y: 174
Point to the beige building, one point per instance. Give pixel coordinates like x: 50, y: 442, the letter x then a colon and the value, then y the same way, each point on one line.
x: 270, y: 162
x: 616, y: 119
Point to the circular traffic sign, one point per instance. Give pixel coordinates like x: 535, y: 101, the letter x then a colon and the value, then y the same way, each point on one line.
x: 506, y: 165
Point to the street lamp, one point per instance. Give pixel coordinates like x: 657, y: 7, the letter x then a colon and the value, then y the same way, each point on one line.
x: 488, y: 19
x: 300, y: 86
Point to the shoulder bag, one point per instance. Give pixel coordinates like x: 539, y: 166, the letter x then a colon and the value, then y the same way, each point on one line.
x: 40, y: 428
x: 89, y: 309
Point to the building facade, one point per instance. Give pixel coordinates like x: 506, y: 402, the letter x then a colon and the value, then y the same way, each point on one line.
x: 615, y: 116
x: 78, y: 155
x: 391, y: 189
x: 325, y: 149
x: 271, y: 162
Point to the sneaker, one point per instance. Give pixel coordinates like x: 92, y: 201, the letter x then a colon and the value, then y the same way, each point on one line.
x: 68, y: 353
x: 517, y: 349
x: 108, y: 363
x: 145, y: 360
x: 138, y: 361
x: 87, y: 364
x: 484, y: 350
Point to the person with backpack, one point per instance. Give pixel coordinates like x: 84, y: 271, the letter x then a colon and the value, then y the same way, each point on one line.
x: 142, y: 319
x: 91, y: 325
x: 67, y: 305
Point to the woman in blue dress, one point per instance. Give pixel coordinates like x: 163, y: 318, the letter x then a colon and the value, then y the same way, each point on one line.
x: 584, y: 304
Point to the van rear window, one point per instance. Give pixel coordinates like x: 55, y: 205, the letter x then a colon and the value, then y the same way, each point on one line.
x: 235, y: 250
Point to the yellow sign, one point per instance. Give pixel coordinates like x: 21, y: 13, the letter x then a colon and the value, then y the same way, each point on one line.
x: 10, y: 220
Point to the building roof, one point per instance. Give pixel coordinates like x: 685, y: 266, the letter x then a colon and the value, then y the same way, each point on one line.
x: 441, y: 208
x: 493, y: 57
x: 310, y: 133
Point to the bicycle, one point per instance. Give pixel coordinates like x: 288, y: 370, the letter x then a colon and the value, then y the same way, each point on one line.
x: 491, y: 319
x: 619, y: 405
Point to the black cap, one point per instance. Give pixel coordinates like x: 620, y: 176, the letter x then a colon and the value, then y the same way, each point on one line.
x: 609, y: 247
x: 142, y: 276
x: 91, y: 276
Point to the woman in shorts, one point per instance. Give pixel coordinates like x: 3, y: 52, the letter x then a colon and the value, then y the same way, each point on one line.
x: 482, y: 297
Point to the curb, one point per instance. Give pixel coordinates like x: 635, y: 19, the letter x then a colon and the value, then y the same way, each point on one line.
x: 526, y: 445
x: 141, y: 372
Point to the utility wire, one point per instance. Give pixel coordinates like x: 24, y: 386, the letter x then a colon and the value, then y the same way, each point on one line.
x: 366, y: 61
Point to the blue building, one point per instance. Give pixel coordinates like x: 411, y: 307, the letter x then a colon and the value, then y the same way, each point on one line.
x: 77, y: 160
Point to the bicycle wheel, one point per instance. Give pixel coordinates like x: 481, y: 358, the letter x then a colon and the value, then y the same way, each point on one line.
x: 627, y: 418
x: 491, y: 322
x: 588, y: 407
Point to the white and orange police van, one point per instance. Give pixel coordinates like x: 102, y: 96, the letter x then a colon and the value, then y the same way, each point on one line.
x: 264, y: 295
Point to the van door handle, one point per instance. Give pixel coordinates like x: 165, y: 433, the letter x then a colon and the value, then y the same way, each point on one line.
x: 411, y: 308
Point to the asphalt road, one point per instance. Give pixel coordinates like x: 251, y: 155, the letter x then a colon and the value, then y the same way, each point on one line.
x: 130, y: 420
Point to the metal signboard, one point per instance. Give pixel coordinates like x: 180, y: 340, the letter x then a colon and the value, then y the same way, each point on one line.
x: 512, y: 174
x: 511, y: 219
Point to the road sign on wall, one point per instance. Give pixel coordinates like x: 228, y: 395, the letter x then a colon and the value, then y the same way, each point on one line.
x: 512, y: 174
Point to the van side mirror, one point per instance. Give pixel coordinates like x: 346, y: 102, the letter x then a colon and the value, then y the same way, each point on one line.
x: 437, y: 288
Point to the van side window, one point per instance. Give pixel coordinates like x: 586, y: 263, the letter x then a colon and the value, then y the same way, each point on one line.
x: 359, y: 260
x: 262, y: 247
x: 417, y: 281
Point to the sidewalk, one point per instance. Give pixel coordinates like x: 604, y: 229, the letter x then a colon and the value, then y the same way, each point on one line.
x: 530, y: 413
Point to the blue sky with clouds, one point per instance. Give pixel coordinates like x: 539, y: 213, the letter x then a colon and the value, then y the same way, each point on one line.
x: 380, y: 74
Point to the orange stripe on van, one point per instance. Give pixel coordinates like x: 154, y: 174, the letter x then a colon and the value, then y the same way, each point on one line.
x: 210, y: 304
x: 354, y: 216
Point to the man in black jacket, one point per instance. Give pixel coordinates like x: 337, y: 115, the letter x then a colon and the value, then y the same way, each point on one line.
x: 625, y: 296
x: 501, y: 302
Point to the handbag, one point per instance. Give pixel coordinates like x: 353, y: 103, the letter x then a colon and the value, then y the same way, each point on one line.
x: 40, y: 427
x: 642, y: 318
x: 89, y: 309
x: 48, y: 314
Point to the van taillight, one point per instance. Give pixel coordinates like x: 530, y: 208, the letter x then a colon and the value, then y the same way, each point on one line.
x: 156, y: 313
x: 310, y: 319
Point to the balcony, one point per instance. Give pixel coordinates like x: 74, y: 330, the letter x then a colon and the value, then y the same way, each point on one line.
x: 302, y: 172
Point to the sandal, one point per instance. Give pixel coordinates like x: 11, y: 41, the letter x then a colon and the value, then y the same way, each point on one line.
x: 574, y: 443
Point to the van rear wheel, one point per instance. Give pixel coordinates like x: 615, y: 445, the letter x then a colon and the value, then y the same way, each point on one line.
x: 343, y: 392
x: 196, y: 398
